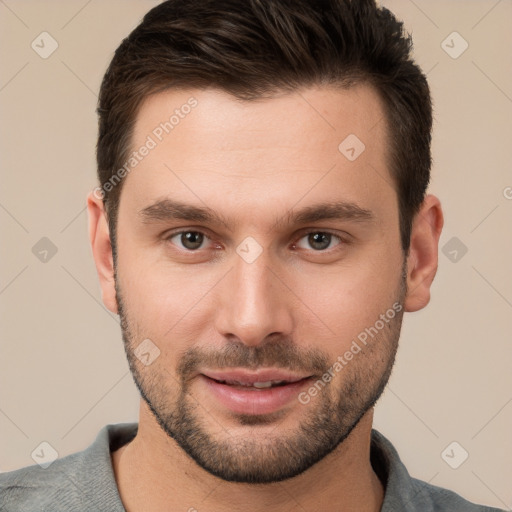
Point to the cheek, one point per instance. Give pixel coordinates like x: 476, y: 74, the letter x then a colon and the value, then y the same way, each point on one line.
x: 352, y: 299
x: 163, y: 303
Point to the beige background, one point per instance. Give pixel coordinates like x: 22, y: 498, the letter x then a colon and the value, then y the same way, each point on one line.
x: 63, y: 373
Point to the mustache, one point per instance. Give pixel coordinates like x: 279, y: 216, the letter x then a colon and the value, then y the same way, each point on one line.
x: 284, y: 355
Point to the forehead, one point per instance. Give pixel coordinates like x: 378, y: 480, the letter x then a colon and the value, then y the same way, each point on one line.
x: 207, y: 146
x: 326, y: 113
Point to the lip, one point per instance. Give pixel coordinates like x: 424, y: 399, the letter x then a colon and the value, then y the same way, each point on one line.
x: 248, y: 377
x: 253, y: 401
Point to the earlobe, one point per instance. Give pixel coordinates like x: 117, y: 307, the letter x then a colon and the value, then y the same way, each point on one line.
x: 422, y: 260
x: 99, y: 237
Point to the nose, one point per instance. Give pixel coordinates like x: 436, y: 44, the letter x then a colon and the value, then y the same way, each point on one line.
x: 253, y: 302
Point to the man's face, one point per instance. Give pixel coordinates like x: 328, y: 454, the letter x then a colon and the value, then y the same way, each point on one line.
x: 260, y: 295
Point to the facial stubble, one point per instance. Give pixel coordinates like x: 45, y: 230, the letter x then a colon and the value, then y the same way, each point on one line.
x: 326, y: 422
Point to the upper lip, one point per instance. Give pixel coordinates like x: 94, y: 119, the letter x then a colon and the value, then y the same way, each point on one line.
x: 250, y: 377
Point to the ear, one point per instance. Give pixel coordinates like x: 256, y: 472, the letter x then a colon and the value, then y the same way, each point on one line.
x: 422, y: 260
x: 99, y: 237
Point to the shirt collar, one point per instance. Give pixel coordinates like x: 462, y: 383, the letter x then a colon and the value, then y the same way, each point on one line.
x: 400, y: 491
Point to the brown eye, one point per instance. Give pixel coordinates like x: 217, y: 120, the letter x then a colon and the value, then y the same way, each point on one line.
x: 319, y: 240
x: 189, y: 240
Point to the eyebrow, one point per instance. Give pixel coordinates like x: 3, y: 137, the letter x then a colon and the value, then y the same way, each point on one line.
x: 170, y: 209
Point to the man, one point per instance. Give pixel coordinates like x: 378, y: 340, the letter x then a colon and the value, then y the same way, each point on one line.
x: 260, y: 227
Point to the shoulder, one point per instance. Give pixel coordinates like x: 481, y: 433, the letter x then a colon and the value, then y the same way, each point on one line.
x: 403, y: 492
x: 33, y: 488
x: 81, y: 481
x: 439, y: 499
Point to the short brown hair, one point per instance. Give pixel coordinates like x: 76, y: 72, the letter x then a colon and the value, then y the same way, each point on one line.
x: 255, y: 48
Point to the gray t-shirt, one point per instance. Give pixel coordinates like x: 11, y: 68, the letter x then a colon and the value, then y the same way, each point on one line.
x: 84, y: 481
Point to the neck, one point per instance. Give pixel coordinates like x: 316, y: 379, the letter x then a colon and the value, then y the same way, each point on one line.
x: 154, y: 473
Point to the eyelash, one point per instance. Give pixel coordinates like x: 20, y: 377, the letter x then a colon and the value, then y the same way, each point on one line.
x: 342, y: 241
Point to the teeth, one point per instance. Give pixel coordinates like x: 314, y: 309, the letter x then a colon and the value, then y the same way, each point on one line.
x: 262, y: 384
x: 259, y: 385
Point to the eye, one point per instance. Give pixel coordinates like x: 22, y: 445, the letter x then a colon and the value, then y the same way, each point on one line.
x: 319, y: 240
x: 188, y: 240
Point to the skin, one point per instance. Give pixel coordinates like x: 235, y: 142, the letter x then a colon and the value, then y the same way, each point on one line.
x: 278, y: 155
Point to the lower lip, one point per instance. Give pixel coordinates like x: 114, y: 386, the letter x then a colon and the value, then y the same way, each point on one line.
x: 254, y: 401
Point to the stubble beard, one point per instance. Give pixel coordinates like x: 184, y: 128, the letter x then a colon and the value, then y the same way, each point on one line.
x: 328, y: 419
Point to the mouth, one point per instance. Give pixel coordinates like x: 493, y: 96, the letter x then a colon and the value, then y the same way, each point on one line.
x: 256, y: 385
x: 260, y: 392
x: 261, y: 379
